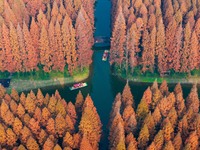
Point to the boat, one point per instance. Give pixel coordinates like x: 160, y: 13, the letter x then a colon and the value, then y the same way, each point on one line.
x: 105, y: 55
x: 78, y: 86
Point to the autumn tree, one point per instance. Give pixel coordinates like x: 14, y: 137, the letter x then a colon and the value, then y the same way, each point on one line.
x: 149, y: 121
x: 127, y: 97
x: 35, y: 34
x: 69, y: 45
x: 17, y: 126
x: 192, y: 140
x: 130, y: 51
x: 118, y: 39
x: 117, y: 136
x: 176, y: 53
x: 49, y: 144
x: 16, y: 55
x: 193, y: 52
x: 84, y: 39
x: 11, y: 137
x: 168, y: 130
x: 68, y: 140
x: 85, y: 144
x: 186, y: 49
x: 148, y: 55
x: 157, y: 115
x: 45, y: 53
x: 58, y: 57
x: 30, y: 104
x: 193, y: 100
x: 90, y: 127
x: 169, y: 145
x: 177, y: 142
x: 129, y: 117
x: 32, y: 144
x: 131, y: 142
x: 143, y: 138
x: 159, y: 140
x: 7, y: 63
x: 8, y: 14
x: 2, y: 135
x: 32, y: 56
x: 79, y: 102
x: 142, y: 111
x: 60, y: 125
x: 160, y: 48
x: 21, y: 42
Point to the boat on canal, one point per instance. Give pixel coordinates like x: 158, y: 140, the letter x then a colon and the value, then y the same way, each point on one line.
x: 105, y: 55
x: 78, y: 86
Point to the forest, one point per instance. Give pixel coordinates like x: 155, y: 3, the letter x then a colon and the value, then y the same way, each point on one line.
x: 155, y: 35
x: 35, y: 122
x: 46, y: 34
x: 163, y: 120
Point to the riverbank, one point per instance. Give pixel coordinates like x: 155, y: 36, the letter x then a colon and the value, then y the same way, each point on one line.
x: 30, y: 84
x: 169, y: 79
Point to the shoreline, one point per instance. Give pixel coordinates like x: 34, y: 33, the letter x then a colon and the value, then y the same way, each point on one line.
x: 21, y: 85
x: 170, y: 80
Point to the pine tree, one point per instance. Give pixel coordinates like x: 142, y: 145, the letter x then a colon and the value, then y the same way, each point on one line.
x: 130, y: 52
x: 68, y: 40
x: 45, y: 53
x: 185, y: 50
x: 16, y: 56
x: 170, y: 37
x: 32, y: 56
x: 160, y: 48
x: 193, y: 56
x: 17, y: 126
x: 177, y: 142
x: 142, y: 111
x: 79, y: 102
x: 35, y: 35
x: 2, y: 135
x: 8, y: 14
x: 169, y: 145
x: 127, y: 97
x: 85, y: 144
x: 168, y: 130
x: 84, y: 39
x: 58, y: 57
x: 159, y: 140
x: 176, y: 46
x: 11, y: 137
x: 145, y: 52
x: 118, y: 39
x: 90, y: 124
x: 7, y: 62
x: 54, y: 12
x: 22, y: 48
x: 193, y: 100
x: 143, y: 138
x: 129, y: 117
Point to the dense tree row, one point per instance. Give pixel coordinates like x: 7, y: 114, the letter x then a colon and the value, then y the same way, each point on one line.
x: 52, y: 34
x: 47, y: 122
x: 163, y: 120
x: 157, y: 35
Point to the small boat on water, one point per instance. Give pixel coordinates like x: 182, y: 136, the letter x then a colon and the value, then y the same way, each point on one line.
x: 105, y: 55
x: 78, y: 86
